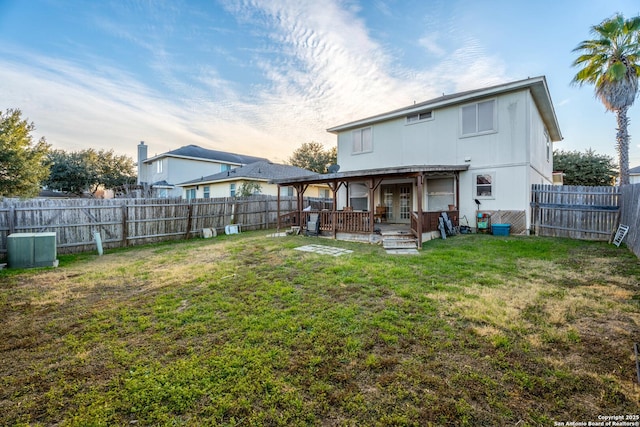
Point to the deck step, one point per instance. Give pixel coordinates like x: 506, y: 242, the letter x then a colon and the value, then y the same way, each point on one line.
x: 399, y: 243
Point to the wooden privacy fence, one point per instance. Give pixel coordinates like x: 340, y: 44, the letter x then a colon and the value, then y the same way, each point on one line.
x: 124, y: 222
x: 630, y: 215
x: 578, y: 212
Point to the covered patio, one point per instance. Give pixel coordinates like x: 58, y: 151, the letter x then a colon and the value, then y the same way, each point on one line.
x: 371, y: 211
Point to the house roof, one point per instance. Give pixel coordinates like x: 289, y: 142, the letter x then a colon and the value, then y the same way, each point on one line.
x: 257, y: 171
x: 199, y: 153
x: 537, y: 86
x: 635, y: 170
x: 162, y: 184
x: 356, y: 175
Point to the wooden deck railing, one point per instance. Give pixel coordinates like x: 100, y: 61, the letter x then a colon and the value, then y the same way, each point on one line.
x: 331, y: 221
x: 430, y: 220
x: 352, y: 222
x: 289, y: 219
x: 359, y: 222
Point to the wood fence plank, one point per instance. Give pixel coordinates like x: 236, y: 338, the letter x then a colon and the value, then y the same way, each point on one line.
x: 578, y: 212
x: 133, y: 221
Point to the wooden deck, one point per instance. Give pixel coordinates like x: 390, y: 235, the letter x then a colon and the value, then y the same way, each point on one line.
x: 333, y: 222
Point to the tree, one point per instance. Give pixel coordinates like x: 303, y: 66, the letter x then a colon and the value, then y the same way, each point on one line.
x: 611, y: 62
x: 586, y: 168
x: 69, y: 172
x: 313, y: 156
x: 249, y: 188
x: 89, y: 170
x: 115, y: 170
x: 22, y: 161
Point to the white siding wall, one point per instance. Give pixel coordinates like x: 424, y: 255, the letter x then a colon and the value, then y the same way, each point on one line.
x: 181, y: 170
x: 515, y: 153
x: 177, y: 170
x: 538, y: 148
x: 438, y: 141
x: 509, y: 190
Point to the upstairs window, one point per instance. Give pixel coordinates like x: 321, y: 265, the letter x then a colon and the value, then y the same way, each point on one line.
x: 362, y: 141
x: 548, y: 142
x: 225, y: 167
x: 478, y: 118
x: 417, y: 117
x: 159, y: 166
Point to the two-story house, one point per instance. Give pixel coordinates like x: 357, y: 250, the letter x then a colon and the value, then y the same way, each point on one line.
x: 160, y: 174
x: 479, y: 150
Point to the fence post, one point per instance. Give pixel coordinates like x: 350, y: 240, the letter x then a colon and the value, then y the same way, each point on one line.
x: 12, y: 216
x: 189, y: 219
x: 125, y: 231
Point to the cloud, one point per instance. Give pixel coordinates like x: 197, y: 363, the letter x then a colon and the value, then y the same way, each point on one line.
x: 318, y: 63
x: 430, y: 43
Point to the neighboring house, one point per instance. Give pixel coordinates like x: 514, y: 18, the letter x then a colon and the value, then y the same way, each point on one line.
x: 487, y: 145
x: 229, y: 183
x: 162, y: 172
x: 634, y: 175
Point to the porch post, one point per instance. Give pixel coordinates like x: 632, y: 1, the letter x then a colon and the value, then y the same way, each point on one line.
x: 419, y: 179
x: 457, y: 176
x: 346, y: 186
x: 335, y: 185
x: 278, y: 211
x: 372, y: 205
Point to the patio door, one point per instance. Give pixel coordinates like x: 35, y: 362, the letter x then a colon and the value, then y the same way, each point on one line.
x: 397, y: 198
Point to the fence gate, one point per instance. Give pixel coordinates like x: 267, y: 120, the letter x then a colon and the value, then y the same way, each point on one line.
x: 578, y: 212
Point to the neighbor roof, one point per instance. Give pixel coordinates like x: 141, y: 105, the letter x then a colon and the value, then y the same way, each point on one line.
x: 257, y: 171
x: 537, y: 86
x: 635, y: 170
x: 199, y: 153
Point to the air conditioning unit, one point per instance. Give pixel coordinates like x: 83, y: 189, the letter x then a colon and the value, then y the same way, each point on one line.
x: 26, y: 250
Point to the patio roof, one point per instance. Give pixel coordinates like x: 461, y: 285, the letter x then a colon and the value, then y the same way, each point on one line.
x: 391, y: 172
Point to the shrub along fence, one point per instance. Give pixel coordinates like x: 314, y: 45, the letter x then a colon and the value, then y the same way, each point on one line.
x: 124, y: 222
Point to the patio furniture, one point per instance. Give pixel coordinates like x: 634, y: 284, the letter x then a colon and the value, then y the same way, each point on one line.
x: 313, y: 225
x: 381, y: 213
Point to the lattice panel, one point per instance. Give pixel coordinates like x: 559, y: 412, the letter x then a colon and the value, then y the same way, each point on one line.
x: 517, y: 219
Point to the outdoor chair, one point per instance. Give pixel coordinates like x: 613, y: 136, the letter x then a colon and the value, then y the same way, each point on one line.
x: 381, y: 213
x: 313, y: 225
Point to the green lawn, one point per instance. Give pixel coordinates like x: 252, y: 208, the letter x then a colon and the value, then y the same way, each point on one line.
x: 244, y: 330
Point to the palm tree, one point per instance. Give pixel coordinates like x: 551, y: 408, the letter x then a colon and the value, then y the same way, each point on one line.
x: 611, y: 62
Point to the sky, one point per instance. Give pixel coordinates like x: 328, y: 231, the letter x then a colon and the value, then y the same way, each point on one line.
x: 261, y: 77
